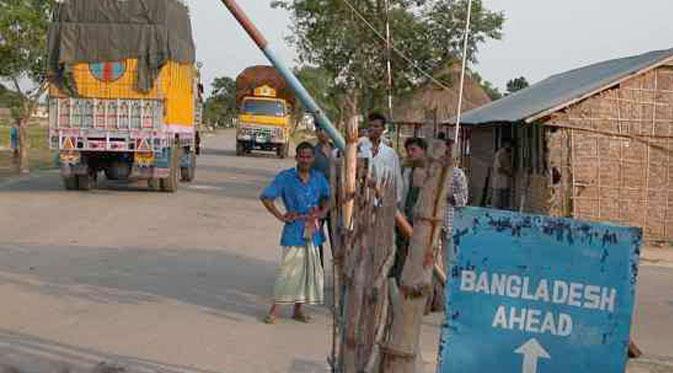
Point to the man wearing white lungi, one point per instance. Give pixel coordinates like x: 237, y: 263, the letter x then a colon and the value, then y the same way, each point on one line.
x: 305, y: 195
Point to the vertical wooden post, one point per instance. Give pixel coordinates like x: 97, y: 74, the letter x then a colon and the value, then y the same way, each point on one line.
x: 335, y: 245
x: 401, y: 354
x: 23, y: 144
x: 350, y: 166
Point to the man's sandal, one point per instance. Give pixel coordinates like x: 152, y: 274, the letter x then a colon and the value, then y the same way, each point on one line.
x: 301, y: 317
x: 269, y: 319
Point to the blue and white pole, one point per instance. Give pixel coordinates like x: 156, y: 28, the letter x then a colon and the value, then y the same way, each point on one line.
x: 294, y: 83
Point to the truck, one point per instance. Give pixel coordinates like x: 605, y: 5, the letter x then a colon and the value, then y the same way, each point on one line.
x: 124, y: 94
x: 265, y: 118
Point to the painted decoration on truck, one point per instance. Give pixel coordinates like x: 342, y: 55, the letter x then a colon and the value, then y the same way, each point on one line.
x: 536, y: 294
x: 107, y: 71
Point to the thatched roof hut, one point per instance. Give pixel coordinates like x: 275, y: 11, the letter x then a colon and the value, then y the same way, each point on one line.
x: 592, y: 143
x: 432, y: 103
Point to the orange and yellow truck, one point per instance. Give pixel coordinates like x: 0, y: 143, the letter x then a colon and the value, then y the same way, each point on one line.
x: 123, y: 101
x: 265, y: 118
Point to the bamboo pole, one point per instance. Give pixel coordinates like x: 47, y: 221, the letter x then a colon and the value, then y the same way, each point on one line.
x: 335, y: 243
x: 350, y: 167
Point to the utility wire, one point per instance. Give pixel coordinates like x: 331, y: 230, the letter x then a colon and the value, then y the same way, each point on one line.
x: 394, y: 48
x: 462, y: 77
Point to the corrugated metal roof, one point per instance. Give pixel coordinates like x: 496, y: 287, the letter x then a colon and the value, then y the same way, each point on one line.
x: 562, y: 89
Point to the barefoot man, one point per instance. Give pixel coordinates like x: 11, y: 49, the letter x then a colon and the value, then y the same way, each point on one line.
x: 305, y: 196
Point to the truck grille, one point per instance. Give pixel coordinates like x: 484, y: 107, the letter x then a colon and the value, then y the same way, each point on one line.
x: 269, y: 132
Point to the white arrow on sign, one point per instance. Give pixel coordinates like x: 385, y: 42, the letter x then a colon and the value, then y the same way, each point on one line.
x: 531, y: 351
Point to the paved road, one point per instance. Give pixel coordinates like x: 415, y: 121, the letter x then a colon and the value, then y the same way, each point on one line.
x: 177, y: 283
x: 149, y: 280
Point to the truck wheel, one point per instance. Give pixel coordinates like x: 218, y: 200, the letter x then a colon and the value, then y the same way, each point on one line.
x: 70, y: 182
x: 85, y: 182
x: 187, y: 173
x: 240, y: 148
x: 154, y: 184
x: 170, y: 184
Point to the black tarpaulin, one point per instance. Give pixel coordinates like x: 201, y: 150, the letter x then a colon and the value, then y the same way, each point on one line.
x: 88, y: 31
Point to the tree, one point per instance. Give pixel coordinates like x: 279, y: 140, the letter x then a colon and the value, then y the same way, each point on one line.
x: 23, y: 55
x: 330, y: 35
x: 317, y: 82
x: 8, y: 98
x: 220, y: 107
x: 446, y: 20
x: 517, y: 84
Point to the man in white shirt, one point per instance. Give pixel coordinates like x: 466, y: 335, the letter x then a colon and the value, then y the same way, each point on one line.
x: 384, y: 161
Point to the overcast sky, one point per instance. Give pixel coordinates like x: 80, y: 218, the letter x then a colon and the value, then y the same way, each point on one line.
x: 541, y: 37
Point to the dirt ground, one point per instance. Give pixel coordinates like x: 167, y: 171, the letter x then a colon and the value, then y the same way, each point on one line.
x: 151, y: 282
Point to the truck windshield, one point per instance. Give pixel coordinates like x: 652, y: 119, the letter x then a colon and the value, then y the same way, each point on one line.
x: 264, y: 107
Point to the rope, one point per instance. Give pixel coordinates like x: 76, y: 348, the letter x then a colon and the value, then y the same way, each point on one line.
x: 398, y: 353
x: 395, y: 49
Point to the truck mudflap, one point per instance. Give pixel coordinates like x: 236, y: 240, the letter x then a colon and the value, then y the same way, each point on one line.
x: 152, y: 165
x: 187, y: 159
x: 187, y: 165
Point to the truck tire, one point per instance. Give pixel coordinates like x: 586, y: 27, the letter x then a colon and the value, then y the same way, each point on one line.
x: 85, y: 182
x: 154, y: 184
x: 187, y: 173
x: 70, y: 182
x: 170, y: 183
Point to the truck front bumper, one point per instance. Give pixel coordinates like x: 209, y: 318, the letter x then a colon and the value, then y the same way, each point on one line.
x: 259, y: 144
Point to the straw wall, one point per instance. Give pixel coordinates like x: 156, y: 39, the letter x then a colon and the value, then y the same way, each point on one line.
x: 559, y: 172
x: 620, y: 145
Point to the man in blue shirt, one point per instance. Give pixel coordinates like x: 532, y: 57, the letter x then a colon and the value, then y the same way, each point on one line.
x: 305, y: 196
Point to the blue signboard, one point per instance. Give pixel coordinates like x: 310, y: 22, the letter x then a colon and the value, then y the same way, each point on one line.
x: 531, y: 294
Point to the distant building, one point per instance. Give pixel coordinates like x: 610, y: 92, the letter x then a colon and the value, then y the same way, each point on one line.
x: 593, y: 143
x: 429, y: 110
x: 426, y: 110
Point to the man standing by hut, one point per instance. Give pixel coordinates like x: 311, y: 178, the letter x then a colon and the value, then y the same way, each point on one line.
x: 457, y: 197
x: 502, y: 176
x: 305, y: 195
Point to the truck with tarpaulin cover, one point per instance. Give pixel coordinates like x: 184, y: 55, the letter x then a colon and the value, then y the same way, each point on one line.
x: 265, y: 105
x: 124, y: 95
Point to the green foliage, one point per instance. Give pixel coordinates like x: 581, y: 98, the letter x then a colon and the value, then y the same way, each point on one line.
x: 23, y: 49
x: 220, y: 107
x: 446, y: 20
x: 328, y: 34
x: 8, y: 98
x: 23, y: 37
x: 318, y: 83
x: 517, y: 84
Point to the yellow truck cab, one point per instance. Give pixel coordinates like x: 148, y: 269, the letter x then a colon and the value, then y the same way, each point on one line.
x: 265, y: 115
